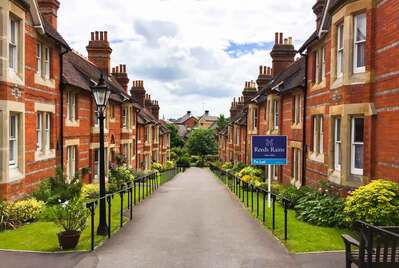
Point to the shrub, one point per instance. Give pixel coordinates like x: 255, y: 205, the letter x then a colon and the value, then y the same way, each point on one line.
x: 251, y: 171
x: 183, y: 161
x: 156, y: 166
x: 320, y: 209
x: 71, y: 216
x: 278, y: 188
x: 293, y: 194
x: 8, y: 218
x: 237, y: 167
x: 375, y: 203
x: 58, y: 189
x: 90, y: 191
x: 246, y: 178
x: 227, y: 166
x: 28, y: 210
x: 170, y: 164
x: 202, y: 162
x: 120, y: 177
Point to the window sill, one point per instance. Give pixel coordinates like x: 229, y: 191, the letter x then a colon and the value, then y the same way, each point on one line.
x: 318, y: 86
x: 74, y: 123
x: 96, y: 130
x: 297, y: 126
x: 335, y: 177
x: 316, y: 157
x: 14, y: 174
x: 339, y: 82
x: 47, y: 82
x: 296, y: 183
x: 15, y: 78
x: 44, y: 155
x: 125, y: 130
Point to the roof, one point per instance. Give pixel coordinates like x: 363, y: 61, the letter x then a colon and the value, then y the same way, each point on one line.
x: 54, y: 34
x: 81, y: 73
x: 209, y: 118
x: 184, y: 118
x: 163, y: 130
x: 23, y: 3
x: 182, y: 131
x: 146, y: 117
x: 292, y: 77
x: 310, y: 40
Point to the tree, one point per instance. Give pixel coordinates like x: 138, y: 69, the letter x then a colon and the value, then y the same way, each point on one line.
x: 175, y: 140
x: 201, y: 142
x: 221, y: 123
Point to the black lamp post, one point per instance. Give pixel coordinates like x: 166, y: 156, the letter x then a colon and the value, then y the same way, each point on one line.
x: 101, y: 94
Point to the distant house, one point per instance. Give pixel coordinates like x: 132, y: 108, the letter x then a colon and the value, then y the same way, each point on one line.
x: 188, y: 120
x: 207, y: 121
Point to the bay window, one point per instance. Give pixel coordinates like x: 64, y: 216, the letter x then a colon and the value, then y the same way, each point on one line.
x: 357, y: 145
x: 359, y: 43
x: 337, y: 143
x: 340, y: 49
x: 13, y: 140
x: 13, y: 44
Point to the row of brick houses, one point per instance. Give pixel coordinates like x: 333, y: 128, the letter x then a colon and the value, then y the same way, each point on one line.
x: 336, y: 98
x: 48, y: 114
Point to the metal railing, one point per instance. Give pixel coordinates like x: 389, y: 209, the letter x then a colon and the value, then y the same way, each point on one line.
x: 246, y: 191
x: 136, y: 191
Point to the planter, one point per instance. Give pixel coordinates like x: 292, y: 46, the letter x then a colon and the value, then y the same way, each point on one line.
x: 68, y: 240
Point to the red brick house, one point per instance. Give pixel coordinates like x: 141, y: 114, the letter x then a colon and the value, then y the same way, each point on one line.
x: 188, y: 120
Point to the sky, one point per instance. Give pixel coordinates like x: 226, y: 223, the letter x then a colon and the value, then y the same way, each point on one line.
x: 193, y: 55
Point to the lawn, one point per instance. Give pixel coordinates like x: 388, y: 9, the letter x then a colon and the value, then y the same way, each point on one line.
x: 302, y: 237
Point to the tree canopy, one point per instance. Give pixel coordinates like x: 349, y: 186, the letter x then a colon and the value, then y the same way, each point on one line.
x: 175, y: 140
x: 221, y: 123
x: 201, y: 142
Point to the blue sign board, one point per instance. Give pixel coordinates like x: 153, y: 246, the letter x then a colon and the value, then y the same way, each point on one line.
x: 269, y: 150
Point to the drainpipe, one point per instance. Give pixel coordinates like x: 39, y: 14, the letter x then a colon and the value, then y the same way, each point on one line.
x: 62, y: 87
x: 304, y: 119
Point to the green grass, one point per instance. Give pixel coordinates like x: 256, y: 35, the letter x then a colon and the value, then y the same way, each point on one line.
x: 302, y: 237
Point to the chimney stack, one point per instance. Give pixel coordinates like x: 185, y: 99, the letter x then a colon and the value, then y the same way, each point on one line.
x: 99, y: 51
x: 138, y: 92
x: 318, y: 11
x: 206, y: 113
x: 49, y: 10
x: 264, y: 77
x: 283, y: 54
x: 249, y: 91
x: 155, y: 109
x: 189, y: 113
x: 120, y: 74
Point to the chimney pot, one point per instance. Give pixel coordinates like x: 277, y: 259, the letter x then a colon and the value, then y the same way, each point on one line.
x: 290, y: 40
x: 106, y: 36
x: 281, y: 38
x: 260, y: 69
x: 276, y: 39
x: 96, y: 36
x: 285, y: 41
x: 92, y: 36
x: 101, y: 36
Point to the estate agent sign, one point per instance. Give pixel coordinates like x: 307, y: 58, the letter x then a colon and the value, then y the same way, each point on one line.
x: 269, y: 150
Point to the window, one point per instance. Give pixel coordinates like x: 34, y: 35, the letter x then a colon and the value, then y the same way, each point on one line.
x: 255, y: 119
x: 72, y: 106
x: 96, y: 118
x: 71, y: 161
x: 13, y: 44
x: 359, y: 43
x: 13, y: 140
x: 317, y: 67
x: 47, y: 132
x: 275, y: 114
x: 237, y: 136
x: 39, y: 130
x: 323, y: 63
x: 297, y: 99
x: 39, y: 58
x: 340, y: 49
x: 112, y: 110
x: 296, y: 164
x: 337, y: 143
x: 357, y: 145
x: 124, y: 117
x: 47, y: 63
x: 43, y: 131
x: 318, y: 134
x: 125, y: 150
x: 147, y: 134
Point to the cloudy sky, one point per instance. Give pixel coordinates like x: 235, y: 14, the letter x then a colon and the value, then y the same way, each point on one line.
x: 192, y: 54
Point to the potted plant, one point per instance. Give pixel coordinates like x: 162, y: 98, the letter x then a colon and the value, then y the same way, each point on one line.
x: 71, y: 216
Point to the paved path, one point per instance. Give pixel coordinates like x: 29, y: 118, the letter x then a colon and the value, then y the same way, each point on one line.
x: 192, y: 221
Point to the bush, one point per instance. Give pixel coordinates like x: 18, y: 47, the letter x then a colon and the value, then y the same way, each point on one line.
x: 376, y: 203
x: 170, y: 164
x: 28, y: 210
x: 90, y: 191
x: 120, y: 177
x: 58, y: 189
x: 156, y: 166
x: 278, y: 188
x: 71, y: 216
x: 8, y: 219
x: 320, y: 209
x: 227, y: 166
x: 293, y: 194
x: 251, y: 171
x: 202, y: 162
x: 237, y: 167
x: 183, y: 162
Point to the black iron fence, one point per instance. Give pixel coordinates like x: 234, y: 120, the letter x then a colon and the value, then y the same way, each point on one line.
x: 247, y: 193
x: 135, y: 191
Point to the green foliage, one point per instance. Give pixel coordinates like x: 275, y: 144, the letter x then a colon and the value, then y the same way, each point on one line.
x: 58, y: 189
x: 177, y: 153
x: 175, y: 140
x: 278, y: 188
x: 91, y: 191
x: 251, y: 171
x: 237, y: 167
x: 201, y: 142
x: 294, y: 194
x: 227, y: 166
x: 169, y: 164
x: 320, y: 209
x: 156, y: 166
x: 202, y: 162
x: 71, y: 216
x: 221, y: 123
x: 183, y: 161
x: 120, y: 177
x: 14, y: 214
x: 84, y: 171
x: 375, y: 203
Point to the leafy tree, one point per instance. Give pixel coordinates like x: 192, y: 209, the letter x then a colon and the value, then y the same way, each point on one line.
x: 175, y: 140
x: 221, y: 123
x: 201, y: 142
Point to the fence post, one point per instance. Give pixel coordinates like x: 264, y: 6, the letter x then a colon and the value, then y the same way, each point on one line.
x: 247, y: 194
x: 285, y: 220
x: 252, y: 198
x: 257, y: 203
x: 139, y: 192
x: 121, y: 195
x: 142, y: 189
x: 134, y: 192
x: 274, y: 213
x: 91, y: 207
x: 109, y: 215
x: 264, y: 207
x: 131, y: 203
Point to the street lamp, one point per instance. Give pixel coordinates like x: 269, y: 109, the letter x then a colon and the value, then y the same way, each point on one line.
x: 101, y: 94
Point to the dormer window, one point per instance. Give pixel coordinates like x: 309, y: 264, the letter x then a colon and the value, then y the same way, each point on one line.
x: 359, y: 43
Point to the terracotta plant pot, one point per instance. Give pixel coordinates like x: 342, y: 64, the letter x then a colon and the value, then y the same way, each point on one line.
x: 68, y: 240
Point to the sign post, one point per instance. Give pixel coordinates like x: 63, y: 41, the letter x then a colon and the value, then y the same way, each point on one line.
x: 267, y: 151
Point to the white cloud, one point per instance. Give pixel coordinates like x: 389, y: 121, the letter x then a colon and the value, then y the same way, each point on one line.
x: 179, y: 46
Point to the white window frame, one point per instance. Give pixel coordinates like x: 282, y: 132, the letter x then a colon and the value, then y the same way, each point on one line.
x: 297, y: 109
x: 72, y: 106
x: 296, y: 164
x: 238, y: 136
x: 318, y: 134
x: 13, y: 140
x: 39, y: 59
x: 317, y: 67
x: 124, y: 117
x: 340, y: 49
x: 71, y: 162
x: 255, y: 119
x: 39, y: 130
x: 337, y: 143
x: 354, y: 170
x: 357, y: 43
x: 47, y: 58
x: 47, y: 130
x: 96, y: 163
x: 13, y: 44
x: 323, y: 63
x: 275, y: 114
